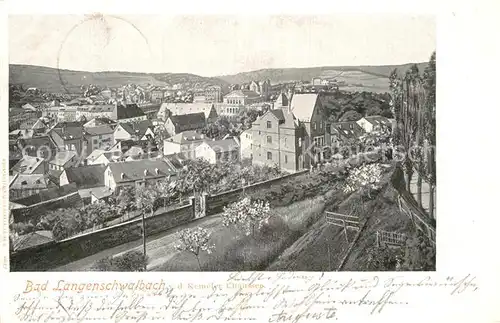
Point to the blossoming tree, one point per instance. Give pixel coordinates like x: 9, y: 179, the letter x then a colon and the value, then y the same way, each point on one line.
x: 246, y: 215
x: 195, y: 241
x: 366, y: 176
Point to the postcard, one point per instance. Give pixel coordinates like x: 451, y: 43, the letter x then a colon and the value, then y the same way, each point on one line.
x: 261, y: 166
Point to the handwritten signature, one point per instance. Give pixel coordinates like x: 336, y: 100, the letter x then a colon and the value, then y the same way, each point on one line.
x: 280, y: 297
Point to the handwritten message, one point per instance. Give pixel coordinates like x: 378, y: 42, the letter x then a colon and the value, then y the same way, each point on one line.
x: 244, y: 296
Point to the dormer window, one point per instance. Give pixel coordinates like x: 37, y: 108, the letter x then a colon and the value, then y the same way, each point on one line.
x: 145, y: 172
x: 350, y: 126
x: 24, y: 183
x: 157, y: 171
x: 122, y: 175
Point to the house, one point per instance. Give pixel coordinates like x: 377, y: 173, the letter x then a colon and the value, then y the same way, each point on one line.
x: 216, y: 151
x: 184, y: 122
x: 242, y: 97
x: 246, y: 144
x: 43, y: 147
x: 128, y: 113
x: 99, y: 137
x: 24, y: 185
x: 345, y: 132
x: 99, y: 121
x: 105, y: 157
x: 99, y: 194
x: 372, y: 123
x: 308, y: 109
x: 156, y: 94
x: 63, y: 160
x: 83, y: 177
x: 278, y: 140
x: 68, y: 136
x: 168, y: 109
x: 281, y: 101
x: 138, y: 130
x: 262, y: 88
x: 91, y: 111
x: 136, y: 173
x: 184, y: 142
x: 213, y: 94
x: 30, y: 165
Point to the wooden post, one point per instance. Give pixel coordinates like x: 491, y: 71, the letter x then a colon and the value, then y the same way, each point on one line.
x: 329, y: 259
x: 345, y: 231
x: 378, y: 239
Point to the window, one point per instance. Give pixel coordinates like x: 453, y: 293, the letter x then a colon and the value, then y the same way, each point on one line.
x: 95, y: 141
x: 285, y: 141
x: 350, y: 126
x: 286, y: 159
x: 321, y: 125
x: 300, y: 142
x: 269, y: 139
x: 269, y: 125
x: 314, y: 125
x: 269, y: 155
x: 100, y: 136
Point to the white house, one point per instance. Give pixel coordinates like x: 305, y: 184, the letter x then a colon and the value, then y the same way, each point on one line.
x: 184, y: 142
x: 141, y: 130
x: 216, y: 151
x: 373, y: 123
x: 246, y: 144
x: 136, y: 173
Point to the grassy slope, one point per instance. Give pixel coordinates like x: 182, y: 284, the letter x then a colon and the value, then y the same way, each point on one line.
x: 59, y: 81
x: 324, y: 245
x: 375, y: 74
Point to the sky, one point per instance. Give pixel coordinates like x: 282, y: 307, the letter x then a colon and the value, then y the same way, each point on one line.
x: 217, y: 45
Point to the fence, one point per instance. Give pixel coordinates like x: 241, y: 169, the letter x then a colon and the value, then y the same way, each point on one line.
x: 390, y: 238
x: 408, y: 205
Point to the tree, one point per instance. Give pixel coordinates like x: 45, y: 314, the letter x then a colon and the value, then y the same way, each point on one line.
x: 350, y: 116
x: 195, y: 241
x: 125, y: 200
x: 366, y: 176
x: 383, y: 259
x: 420, y: 253
x: 146, y: 197
x: 246, y: 215
x: 429, y: 126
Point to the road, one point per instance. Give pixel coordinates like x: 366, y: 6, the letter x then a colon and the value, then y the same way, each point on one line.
x: 159, y: 247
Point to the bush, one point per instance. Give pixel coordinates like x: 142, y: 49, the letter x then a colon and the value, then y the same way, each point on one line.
x: 130, y: 261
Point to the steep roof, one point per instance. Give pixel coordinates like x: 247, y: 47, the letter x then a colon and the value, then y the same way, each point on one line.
x: 95, y: 154
x: 128, y: 111
x: 55, y: 175
x: 38, y: 142
x: 137, y: 128
x: 70, y: 132
x: 85, y: 176
x: 278, y: 113
x: 63, y: 157
x: 348, y: 129
x: 99, y: 130
x: 303, y: 105
x: 29, y: 181
x: 140, y: 169
x: 186, y: 119
x: 27, y: 165
x: 99, y: 121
